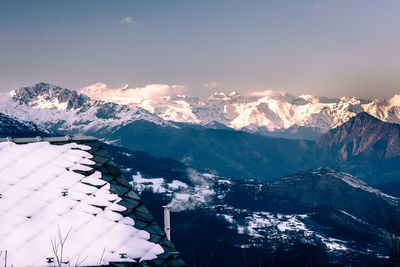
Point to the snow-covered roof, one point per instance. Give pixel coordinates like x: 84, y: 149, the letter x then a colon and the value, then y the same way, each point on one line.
x: 58, y: 189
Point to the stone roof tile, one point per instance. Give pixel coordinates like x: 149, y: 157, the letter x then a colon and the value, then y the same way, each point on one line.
x: 135, y: 209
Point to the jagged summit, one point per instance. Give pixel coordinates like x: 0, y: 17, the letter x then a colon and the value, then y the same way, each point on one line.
x: 270, y: 113
x: 45, y: 92
x: 365, y: 116
x: 60, y: 109
x: 363, y: 136
x: 362, y: 120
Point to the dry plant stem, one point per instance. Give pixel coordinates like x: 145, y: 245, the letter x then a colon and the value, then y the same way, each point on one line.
x: 56, y: 245
x: 77, y: 263
x: 102, y: 255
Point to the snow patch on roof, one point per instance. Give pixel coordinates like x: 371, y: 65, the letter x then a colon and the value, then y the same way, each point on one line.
x: 41, y: 197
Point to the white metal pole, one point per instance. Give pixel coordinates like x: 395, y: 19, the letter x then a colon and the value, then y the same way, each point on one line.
x: 167, y: 222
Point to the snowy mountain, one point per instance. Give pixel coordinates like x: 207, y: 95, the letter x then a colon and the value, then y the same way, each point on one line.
x: 13, y: 127
x: 269, y: 112
x: 363, y: 136
x: 350, y: 147
x: 372, y: 149
x: 323, y: 216
x: 273, y: 114
x: 330, y: 216
x: 64, y: 110
x: 364, y: 146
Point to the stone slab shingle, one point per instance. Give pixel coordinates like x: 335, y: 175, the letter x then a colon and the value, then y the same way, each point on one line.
x: 120, y: 186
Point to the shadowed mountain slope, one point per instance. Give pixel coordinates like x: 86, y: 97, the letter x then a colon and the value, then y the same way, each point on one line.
x: 13, y: 127
x: 363, y: 146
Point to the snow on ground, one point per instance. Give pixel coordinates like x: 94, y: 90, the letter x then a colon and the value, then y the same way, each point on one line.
x: 156, y: 184
x: 258, y: 226
x: 223, y: 181
x: 183, y: 196
x: 42, y: 198
x: 228, y: 218
x: 261, y: 225
x: 177, y: 184
x: 333, y: 243
x: 353, y: 217
x: 357, y: 183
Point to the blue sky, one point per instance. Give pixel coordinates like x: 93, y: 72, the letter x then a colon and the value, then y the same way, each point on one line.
x: 328, y: 48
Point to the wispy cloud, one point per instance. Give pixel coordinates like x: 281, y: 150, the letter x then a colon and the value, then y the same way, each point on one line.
x: 394, y: 101
x: 127, y: 95
x: 269, y: 92
x: 211, y: 84
x: 127, y: 20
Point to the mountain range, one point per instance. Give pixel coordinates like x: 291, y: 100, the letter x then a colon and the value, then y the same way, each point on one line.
x: 274, y: 114
x: 270, y: 201
x: 363, y: 145
x: 239, y: 154
x: 321, y: 217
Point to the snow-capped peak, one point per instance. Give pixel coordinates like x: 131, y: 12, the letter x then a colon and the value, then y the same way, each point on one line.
x: 260, y: 112
x: 219, y: 96
x: 45, y: 95
x: 310, y: 98
x: 61, y: 109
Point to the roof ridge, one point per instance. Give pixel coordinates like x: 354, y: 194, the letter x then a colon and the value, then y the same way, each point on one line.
x: 65, y: 138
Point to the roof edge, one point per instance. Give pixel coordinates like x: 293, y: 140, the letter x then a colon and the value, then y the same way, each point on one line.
x: 65, y: 138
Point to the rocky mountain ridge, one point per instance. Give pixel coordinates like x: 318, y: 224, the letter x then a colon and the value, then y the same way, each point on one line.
x: 333, y: 211
x: 13, y: 127
x: 39, y: 94
x: 317, y: 217
x: 363, y: 136
x: 239, y: 154
x: 363, y: 146
x: 64, y: 110
x: 279, y: 114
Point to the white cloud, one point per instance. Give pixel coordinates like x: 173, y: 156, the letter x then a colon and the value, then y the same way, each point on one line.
x: 394, y: 101
x: 268, y: 92
x: 127, y: 20
x: 211, y: 84
x: 127, y: 95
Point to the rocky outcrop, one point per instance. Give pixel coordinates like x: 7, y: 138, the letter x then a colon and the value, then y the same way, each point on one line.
x: 363, y: 136
x: 49, y: 92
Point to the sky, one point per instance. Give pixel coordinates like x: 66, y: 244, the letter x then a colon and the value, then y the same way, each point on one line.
x: 326, y: 48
